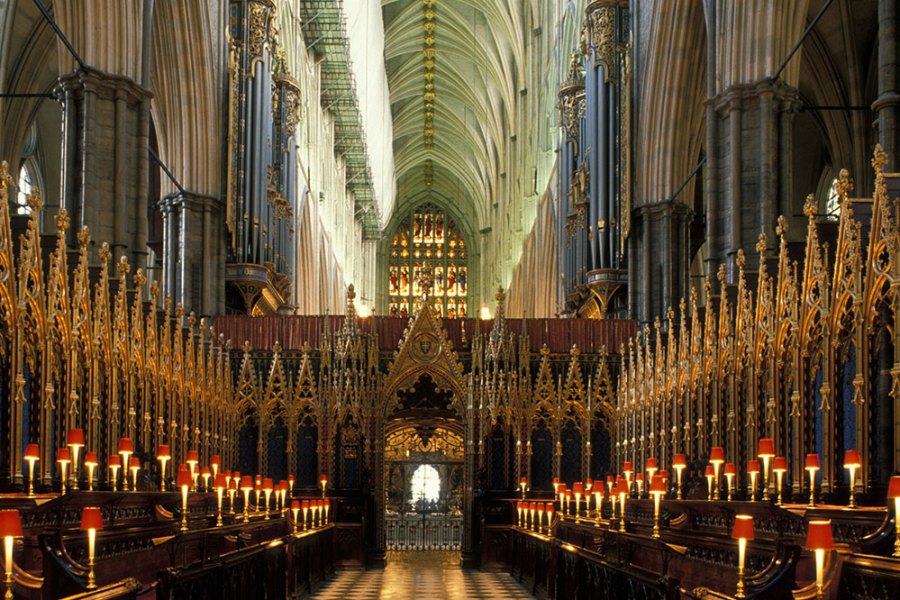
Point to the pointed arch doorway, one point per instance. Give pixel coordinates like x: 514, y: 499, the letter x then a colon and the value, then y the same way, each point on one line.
x: 424, y: 488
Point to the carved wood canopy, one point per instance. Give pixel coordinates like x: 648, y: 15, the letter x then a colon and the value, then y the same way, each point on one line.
x: 425, y: 349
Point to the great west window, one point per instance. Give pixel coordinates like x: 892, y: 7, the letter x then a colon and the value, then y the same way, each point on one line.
x: 427, y: 235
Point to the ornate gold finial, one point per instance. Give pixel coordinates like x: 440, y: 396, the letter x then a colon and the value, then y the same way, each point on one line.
x: 247, y: 346
x: 844, y: 185
x: 500, y: 296
x: 139, y: 278
x: 682, y: 305
x: 879, y: 159
x: 123, y: 267
x: 35, y: 200
x: 693, y: 295
x: 721, y: 275
x: 574, y: 351
x: 192, y: 319
x: 276, y: 347
x: 545, y: 351
x: 351, y: 293
x: 104, y: 252
x: 228, y: 344
x: 5, y: 179
x: 62, y: 220
x: 656, y: 323
x: 707, y: 285
x: 84, y: 236
x: 670, y: 313
x: 781, y: 228
x: 741, y: 259
x: 809, y: 207
x: 761, y: 245
x: 179, y: 311
x: 154, y: 289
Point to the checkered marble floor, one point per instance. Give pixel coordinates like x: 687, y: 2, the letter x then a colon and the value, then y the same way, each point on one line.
x: 430, y: 575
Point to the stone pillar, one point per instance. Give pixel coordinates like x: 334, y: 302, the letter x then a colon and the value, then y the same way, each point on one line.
x: 753, y: 129
x: 193, y: 268
x: 105, y: 178
x: 663, y: 274
x: 887, y: 106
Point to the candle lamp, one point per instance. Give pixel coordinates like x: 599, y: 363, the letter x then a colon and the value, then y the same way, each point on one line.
x: 227, y: 478
x: 753, y: 471
x: 246, y: 487
x: 523, y: 484
x: 716, y: 458
x: 561, y: 492
x: 135, y: 466
x: 267, y: 490
x: 550, y: 511
x: 90, y: 462
x: 323, y: 481
x: 163, y: 455
x: 184, y: 482
x: 555, y: 486
x: 10, y: 529
x: 304, y: 506
x: 679, y: 464
x: 91, y: 521
x: 206, y: 473
x: 894, y: 494
x: 258, y: 491
x: 295, y: 510
x: 577, y: 491
x: 569, y: 501
x: 531, y: 509
x: 710, y: 475
x: 779, y: 468
x: 64, y: 459
x: 284, y: 491
x: 126, y: 449
x: 651, y: 466
x: 232, y: 490
x: 623, y: 494
x: 812, y: 465
x: 193, y: 459
x: 540, y: 516
x: 220, y: 486
x: 766, y: 451
x: 657, y: 490
x: 588, y: 486
x: 115, y: 463
x: 519, y: 513
x: 852, y: 462
x: 819, y: 539
x: 291, y: 484
x: 612, y: 505
x: 639, y: 484
x: 326, y: 504
x: 32, y: 455
x: 610, y: 482
x: 598, y: 502
x: 315, y: 512
x: 730, y: 473
x: 665, y: 477
x: 75, y: 442
x: 215, y: 461
x: 628, y: 469
x: 742, y: 532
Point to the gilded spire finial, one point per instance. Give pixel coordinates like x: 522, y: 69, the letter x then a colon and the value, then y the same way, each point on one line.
x: 741, y: 259
x: 781, y: 228
x: 139, y: 278
x: 721, y: 275
x: 761, y: 245
x: 879, y: 159
x: 179, y: 311
x: 84, y: 236
x: 62, y: 220
x: 809, y: 208
x: 104, y: 252
x: 844, y: 185
x: 123, y: 267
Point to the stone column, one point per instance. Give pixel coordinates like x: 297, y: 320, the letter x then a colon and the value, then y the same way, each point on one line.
x: 887, y: 106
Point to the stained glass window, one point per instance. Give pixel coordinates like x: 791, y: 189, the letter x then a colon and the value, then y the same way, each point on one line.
x: 428, y: 236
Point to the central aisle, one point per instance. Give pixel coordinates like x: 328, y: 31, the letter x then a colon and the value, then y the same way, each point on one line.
x: 432, y: 575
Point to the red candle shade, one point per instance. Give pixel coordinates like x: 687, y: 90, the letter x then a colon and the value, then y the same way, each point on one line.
x: 182, y: 467
x: 562, y: 488
x: 267, y: 484
x: 639, y: 477
x: 657, y: 486
x: 32, y: 452
x: 556, y: 480
x: 125, y: 445
x: 90, y: 458
x: 135, y: 462
x: 192, y: 456
x: 236, y: 475
x: 205, y: 472
x: 114, y: 460
x: 894, y: 487
x: 588, y: 484
x: 679, y: 461
x: 163, y: 451
x: 91, y: 518
x: 743, y: 528
x: 304, y: 504
x: 819, y: 535
x: 812, y: 461
x: 215, y: 460
x: 323, y: 479
x: 651, y: 464
x: 851, y: 459
x: 628, y: 467
x: 717, y: 454
x: 766, y: 448
x: 780, y: 464
x: 710, y: 471
x: 220, y: 481
x: 75, y: 437
x: 549, y: 508
x: 184, y: 478
x: 664, y: 474
x: 753, y: 466
x: 578, y: 488
x: 10, y: 523
x: 295, y: 505
x: 62, y: 455
x: 730, y: 469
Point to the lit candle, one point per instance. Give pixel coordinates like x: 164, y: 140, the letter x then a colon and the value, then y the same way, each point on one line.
x: 135, y: 467
x: 523, y: 483
x: 63, y: 458
x: 193, y: 458
x: 115, y: 463
x: 577, y: 491
x: 657, y: 490
x: 206, y: 473
x: 716, y: 458
x: 819, y: 539
x: 323, y: 481
x: 295, y: 509
x: 163, y: 455
x: 894, y: 494
x: 267, y: 490
x: 812, y: 465
x: 305, y: 508
x: 126, y: 449
x: 10, y: 529
x: 91, y: 462
x: 32, y: 455
x: 232, y: 490
x: 766, y: 451
x: 91, y: 521
x: 75, y: 441
x: 214, y: 462
x: 780, y: 468
x: 651, y: 466
x: 550, y: 518
x: 852, y: 462
x: 730, y: 473
x: 710, y: 475
x: 679, y: 464
x: 742, y: 532
x: 220, y: 486
x: 753, y: 471
x: 184, y: 482
x: 623, y: 493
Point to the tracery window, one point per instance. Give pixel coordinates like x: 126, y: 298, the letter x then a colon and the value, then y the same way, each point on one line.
x: 25, y: 187
x: 427, y: 235
x: 833, y: 202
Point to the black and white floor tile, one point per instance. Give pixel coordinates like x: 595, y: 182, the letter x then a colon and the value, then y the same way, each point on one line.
x: 430, y: 575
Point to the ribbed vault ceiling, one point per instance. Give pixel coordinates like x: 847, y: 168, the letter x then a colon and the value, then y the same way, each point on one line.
x: 478, y: 53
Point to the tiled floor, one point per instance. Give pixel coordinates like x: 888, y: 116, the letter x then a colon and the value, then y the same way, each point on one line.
x: 429, y: 575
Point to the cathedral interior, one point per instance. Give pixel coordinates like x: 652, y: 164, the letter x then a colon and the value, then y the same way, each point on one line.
x: 569, y: 299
